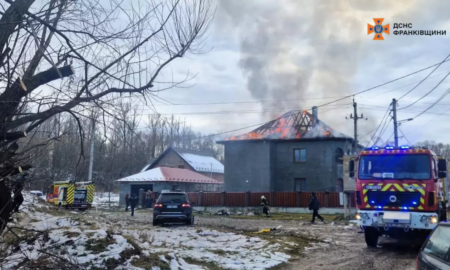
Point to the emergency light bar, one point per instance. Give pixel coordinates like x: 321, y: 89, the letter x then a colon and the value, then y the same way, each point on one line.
x: 389, y: 147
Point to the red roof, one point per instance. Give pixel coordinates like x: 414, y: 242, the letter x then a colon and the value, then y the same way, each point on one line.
x: 161, y: 174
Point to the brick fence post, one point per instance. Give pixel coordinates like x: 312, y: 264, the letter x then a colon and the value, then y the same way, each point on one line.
x: 222, y: 199
x: 299, y: 198
x: 327, y: 198
x: 272, y: 198
x: 247, y: 198
x: 200, y: 198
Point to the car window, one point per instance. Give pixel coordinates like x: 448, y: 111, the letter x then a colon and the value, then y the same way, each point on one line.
x: 172, y: 198
x: 439, y: 243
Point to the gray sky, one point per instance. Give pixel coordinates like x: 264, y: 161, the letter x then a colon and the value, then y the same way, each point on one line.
x: 305, y: 53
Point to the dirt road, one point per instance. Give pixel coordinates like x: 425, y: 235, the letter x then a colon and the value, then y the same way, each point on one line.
x: 320, y: 246
x: 336, y: 247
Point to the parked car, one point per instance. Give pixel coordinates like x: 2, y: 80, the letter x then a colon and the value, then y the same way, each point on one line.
x: 435, y: 252
x: 172, y: 207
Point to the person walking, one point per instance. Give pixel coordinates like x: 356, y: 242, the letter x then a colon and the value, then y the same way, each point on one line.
x: 314, y: 205
x: 127, y: 201
x: 265, y: 206
x: 18, y: 197
x: 133, y: 202
x: 149, y: 198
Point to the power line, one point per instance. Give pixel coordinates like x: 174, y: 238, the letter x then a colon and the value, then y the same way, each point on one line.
x: 381, y: 122
x: 429, y: 92
x: 391, y: 81
x: 424, y: 78
x: 383, y: 130
x: 404, y: 136
x: 437, y: 101
x: 406, y: 85
x: 340, y: 99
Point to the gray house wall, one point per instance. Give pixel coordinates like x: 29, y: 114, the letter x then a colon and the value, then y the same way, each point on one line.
x: 269, y: 165
x: 248, y: 161
x: 319, y: 170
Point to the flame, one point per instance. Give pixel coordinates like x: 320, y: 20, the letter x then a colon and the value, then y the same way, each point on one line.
x: 283, y: 128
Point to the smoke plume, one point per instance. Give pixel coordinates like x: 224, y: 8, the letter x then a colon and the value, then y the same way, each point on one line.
x: 293, y: 50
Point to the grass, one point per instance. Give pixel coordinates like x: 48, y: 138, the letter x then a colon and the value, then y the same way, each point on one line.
x: 222, y: 252
x: 148, y: 262
x: 71, y: 234
x: 99, y: 245
x: 132, y: 242
x: 205, y: 264
x: 14, y: 239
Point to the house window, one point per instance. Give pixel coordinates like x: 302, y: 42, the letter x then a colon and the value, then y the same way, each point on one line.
x: 181, y: 166
x: 299, y: 155
x: 300, y: 184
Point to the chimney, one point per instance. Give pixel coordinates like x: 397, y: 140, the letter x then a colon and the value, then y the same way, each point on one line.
x: 315, y: 113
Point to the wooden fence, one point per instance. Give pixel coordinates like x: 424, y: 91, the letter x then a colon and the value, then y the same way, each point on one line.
x: 277, y: 199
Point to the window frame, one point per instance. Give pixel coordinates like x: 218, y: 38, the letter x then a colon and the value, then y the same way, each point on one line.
x: 446, y: 258
x: 300, y: 155
x: 300, y: 180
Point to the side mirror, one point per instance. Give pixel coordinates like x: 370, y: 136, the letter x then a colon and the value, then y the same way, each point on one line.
x: 442, y: 174
x: 351, y: 168
x: 442, y: 165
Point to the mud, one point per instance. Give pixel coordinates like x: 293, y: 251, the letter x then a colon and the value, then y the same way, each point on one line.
x: 326, y: 246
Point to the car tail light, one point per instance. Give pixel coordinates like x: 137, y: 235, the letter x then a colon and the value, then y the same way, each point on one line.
x: 158, y: 205
x: 186, y: 205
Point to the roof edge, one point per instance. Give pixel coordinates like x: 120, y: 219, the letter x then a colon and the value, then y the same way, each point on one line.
x: 287, y: 140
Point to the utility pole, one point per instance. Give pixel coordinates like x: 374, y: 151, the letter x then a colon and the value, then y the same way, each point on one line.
x: 355, y: 118
x: 91, y: 154
x: 394, y: 117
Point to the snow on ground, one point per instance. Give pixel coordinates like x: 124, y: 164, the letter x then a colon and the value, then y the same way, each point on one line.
x: 72, y: 239
x: 105, y: 200
x: 227, y: 250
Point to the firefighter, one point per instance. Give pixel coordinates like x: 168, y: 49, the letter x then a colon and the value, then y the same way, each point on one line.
x: 133, y: 203
x: 265, y: 206
x: 127, y: 201
x: 149, y: 197
x: 314, y: 204
x: 18, y: 197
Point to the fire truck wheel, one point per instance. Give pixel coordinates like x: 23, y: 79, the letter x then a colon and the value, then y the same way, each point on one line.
x: 371, y: 236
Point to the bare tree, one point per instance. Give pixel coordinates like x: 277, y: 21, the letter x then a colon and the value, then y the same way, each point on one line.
x: 63, y: 57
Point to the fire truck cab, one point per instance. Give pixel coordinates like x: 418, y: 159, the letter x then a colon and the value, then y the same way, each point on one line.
x: 71, y: 194
x: 399, y: 192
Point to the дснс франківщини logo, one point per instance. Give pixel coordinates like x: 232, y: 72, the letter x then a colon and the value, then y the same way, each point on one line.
x: 378, y: 29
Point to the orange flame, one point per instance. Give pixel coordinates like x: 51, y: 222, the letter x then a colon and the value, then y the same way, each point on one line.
x: 282, y: 130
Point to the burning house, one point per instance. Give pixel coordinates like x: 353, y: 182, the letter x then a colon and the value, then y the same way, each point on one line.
x: 295, y: 152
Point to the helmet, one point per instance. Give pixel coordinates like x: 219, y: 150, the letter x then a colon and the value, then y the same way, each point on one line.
x: 262, y: 197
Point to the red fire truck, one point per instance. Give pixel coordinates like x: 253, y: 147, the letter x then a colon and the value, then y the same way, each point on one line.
x: 400, y: 192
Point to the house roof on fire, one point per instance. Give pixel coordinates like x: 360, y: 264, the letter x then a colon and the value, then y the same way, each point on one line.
x: 162, y: 174
x: 199, y: 161
x: 293, y: 125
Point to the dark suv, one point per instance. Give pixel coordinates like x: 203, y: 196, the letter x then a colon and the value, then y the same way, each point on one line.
x: 435, y: 252
x: 172, y: 207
